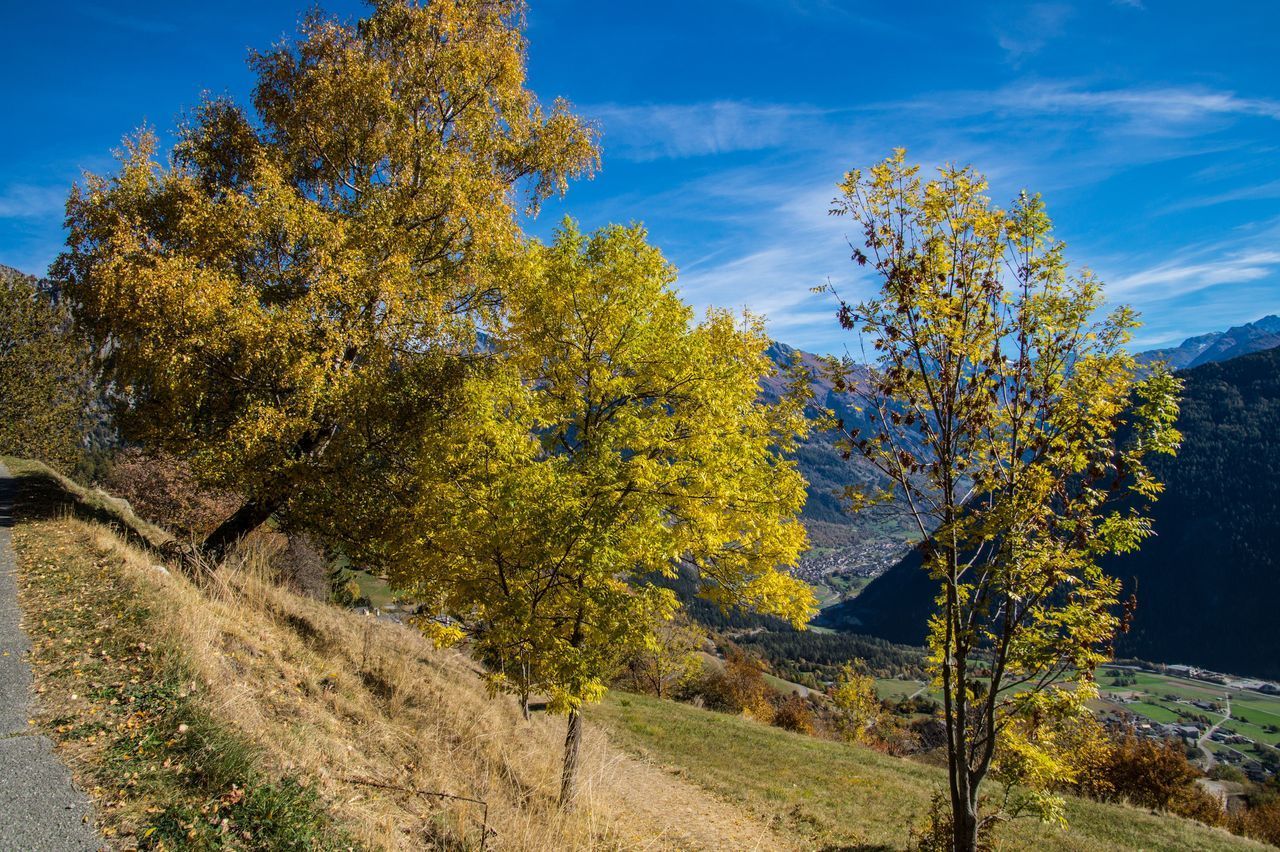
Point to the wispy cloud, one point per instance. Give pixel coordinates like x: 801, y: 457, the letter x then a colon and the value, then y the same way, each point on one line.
x: 755, y: 233
x: 655, y: 131
x: 1183, y: 276
x: 24, y: 201
x: 1167, y: 104
x: 1031, y: 28
x: 1154, y: 106
x: 1257, y: 192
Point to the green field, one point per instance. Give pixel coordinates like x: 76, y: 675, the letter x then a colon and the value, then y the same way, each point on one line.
x: 785, y: 687
x: 894, y: 689
x: 1159, y: 701
x: 829, y: 795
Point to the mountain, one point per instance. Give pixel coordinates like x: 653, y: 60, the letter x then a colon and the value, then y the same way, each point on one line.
x: 1218, y: 345
x: 866, y: 545
x: 1208, y: 583
x: 852, y: 546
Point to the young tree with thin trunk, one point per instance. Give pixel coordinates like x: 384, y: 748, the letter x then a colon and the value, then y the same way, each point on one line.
x: 288, y: 270
x: 1007, y: 414
x: 613, y: 439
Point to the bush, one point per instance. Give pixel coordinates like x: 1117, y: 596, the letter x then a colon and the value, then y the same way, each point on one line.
x: 163, y: 489
x: 303, y: 566
x: 793, y: 714
x: 739, y: 687
x: 1144, y: 772
x: 936, y: 833
x: 1261, y: 821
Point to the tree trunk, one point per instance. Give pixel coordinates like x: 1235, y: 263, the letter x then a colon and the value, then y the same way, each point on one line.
x: 569, y: 775
x: 255, y: 513
x: 245, y: 520
x: 964, y: 814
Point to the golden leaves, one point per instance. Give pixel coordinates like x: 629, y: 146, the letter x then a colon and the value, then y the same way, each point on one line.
x: 611, y: 437
x: 287, y: 270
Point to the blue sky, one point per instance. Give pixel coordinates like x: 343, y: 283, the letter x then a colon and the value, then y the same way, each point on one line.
x: 1152, y: 128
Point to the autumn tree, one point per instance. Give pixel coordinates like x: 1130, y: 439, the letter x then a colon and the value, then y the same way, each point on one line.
x: 45, y: 387
x: 1007, y: 415
x: 857, y: 707
x: 738, y: 686
x: 667, y: 659
x: 292, y: 266
x: 614, y: 438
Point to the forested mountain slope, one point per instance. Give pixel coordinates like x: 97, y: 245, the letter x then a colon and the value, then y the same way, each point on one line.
x: 1208, y: 582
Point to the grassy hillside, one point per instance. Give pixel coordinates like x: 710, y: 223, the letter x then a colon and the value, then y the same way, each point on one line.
x: 832, y: 796
x: 234, y: 714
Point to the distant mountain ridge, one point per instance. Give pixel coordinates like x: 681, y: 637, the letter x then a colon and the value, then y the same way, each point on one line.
x: 1218, y: 345
x: 869, y: 544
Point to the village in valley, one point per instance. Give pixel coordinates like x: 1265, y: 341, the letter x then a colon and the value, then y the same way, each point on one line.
x: 1222, y: 719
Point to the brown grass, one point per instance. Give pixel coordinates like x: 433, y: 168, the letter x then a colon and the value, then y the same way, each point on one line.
x: 377, y: 721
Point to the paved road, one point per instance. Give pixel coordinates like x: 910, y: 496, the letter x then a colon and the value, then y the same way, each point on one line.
x: 1200, y: 743
x: 40, y: 809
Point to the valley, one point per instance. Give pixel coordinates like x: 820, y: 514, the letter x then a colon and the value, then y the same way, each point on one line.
x: 1204, y: 584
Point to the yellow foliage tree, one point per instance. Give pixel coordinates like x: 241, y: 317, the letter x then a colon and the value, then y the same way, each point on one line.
x: 283, y: 275
x: 45, y: 386
x: 668, y: 659
x: 1007, y: 414
x: 856, y: 703
x: 614, y: 438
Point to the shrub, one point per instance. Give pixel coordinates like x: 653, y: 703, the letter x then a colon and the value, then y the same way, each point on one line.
x: 1143, y: 772
x: 162, y: 488
x: 937, y: 834
x: 793, y: 714
x: 1261, y: 821
x: 739, y: 687
x: 303, y: 566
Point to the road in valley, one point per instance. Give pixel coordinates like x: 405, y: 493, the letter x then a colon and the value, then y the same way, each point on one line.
x: 1200, y: 743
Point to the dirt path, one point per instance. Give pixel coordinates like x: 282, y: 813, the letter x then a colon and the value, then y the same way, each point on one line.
x: 664, y: 811
x: 40, y: 809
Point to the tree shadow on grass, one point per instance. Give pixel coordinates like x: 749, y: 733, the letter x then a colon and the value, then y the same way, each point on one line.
x: 35, y: 495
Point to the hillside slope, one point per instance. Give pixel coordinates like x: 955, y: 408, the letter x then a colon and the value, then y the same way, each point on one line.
x: 299, y: 724
x: 834, y: 796
x: 234, y: 714
x: 1208, y: 581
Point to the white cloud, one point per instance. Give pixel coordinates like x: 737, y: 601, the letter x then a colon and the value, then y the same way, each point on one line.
x: 654, y: 131
x: 24, y: 201
x: 1170, y: 104
x: 1262, y: 191
x: 1151, y: 108
x: 1181, y: 277
x: 763, y: 236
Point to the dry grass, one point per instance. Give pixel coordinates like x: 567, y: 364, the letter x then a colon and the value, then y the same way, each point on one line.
x: 375, y: 720
x: 350, y: 702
